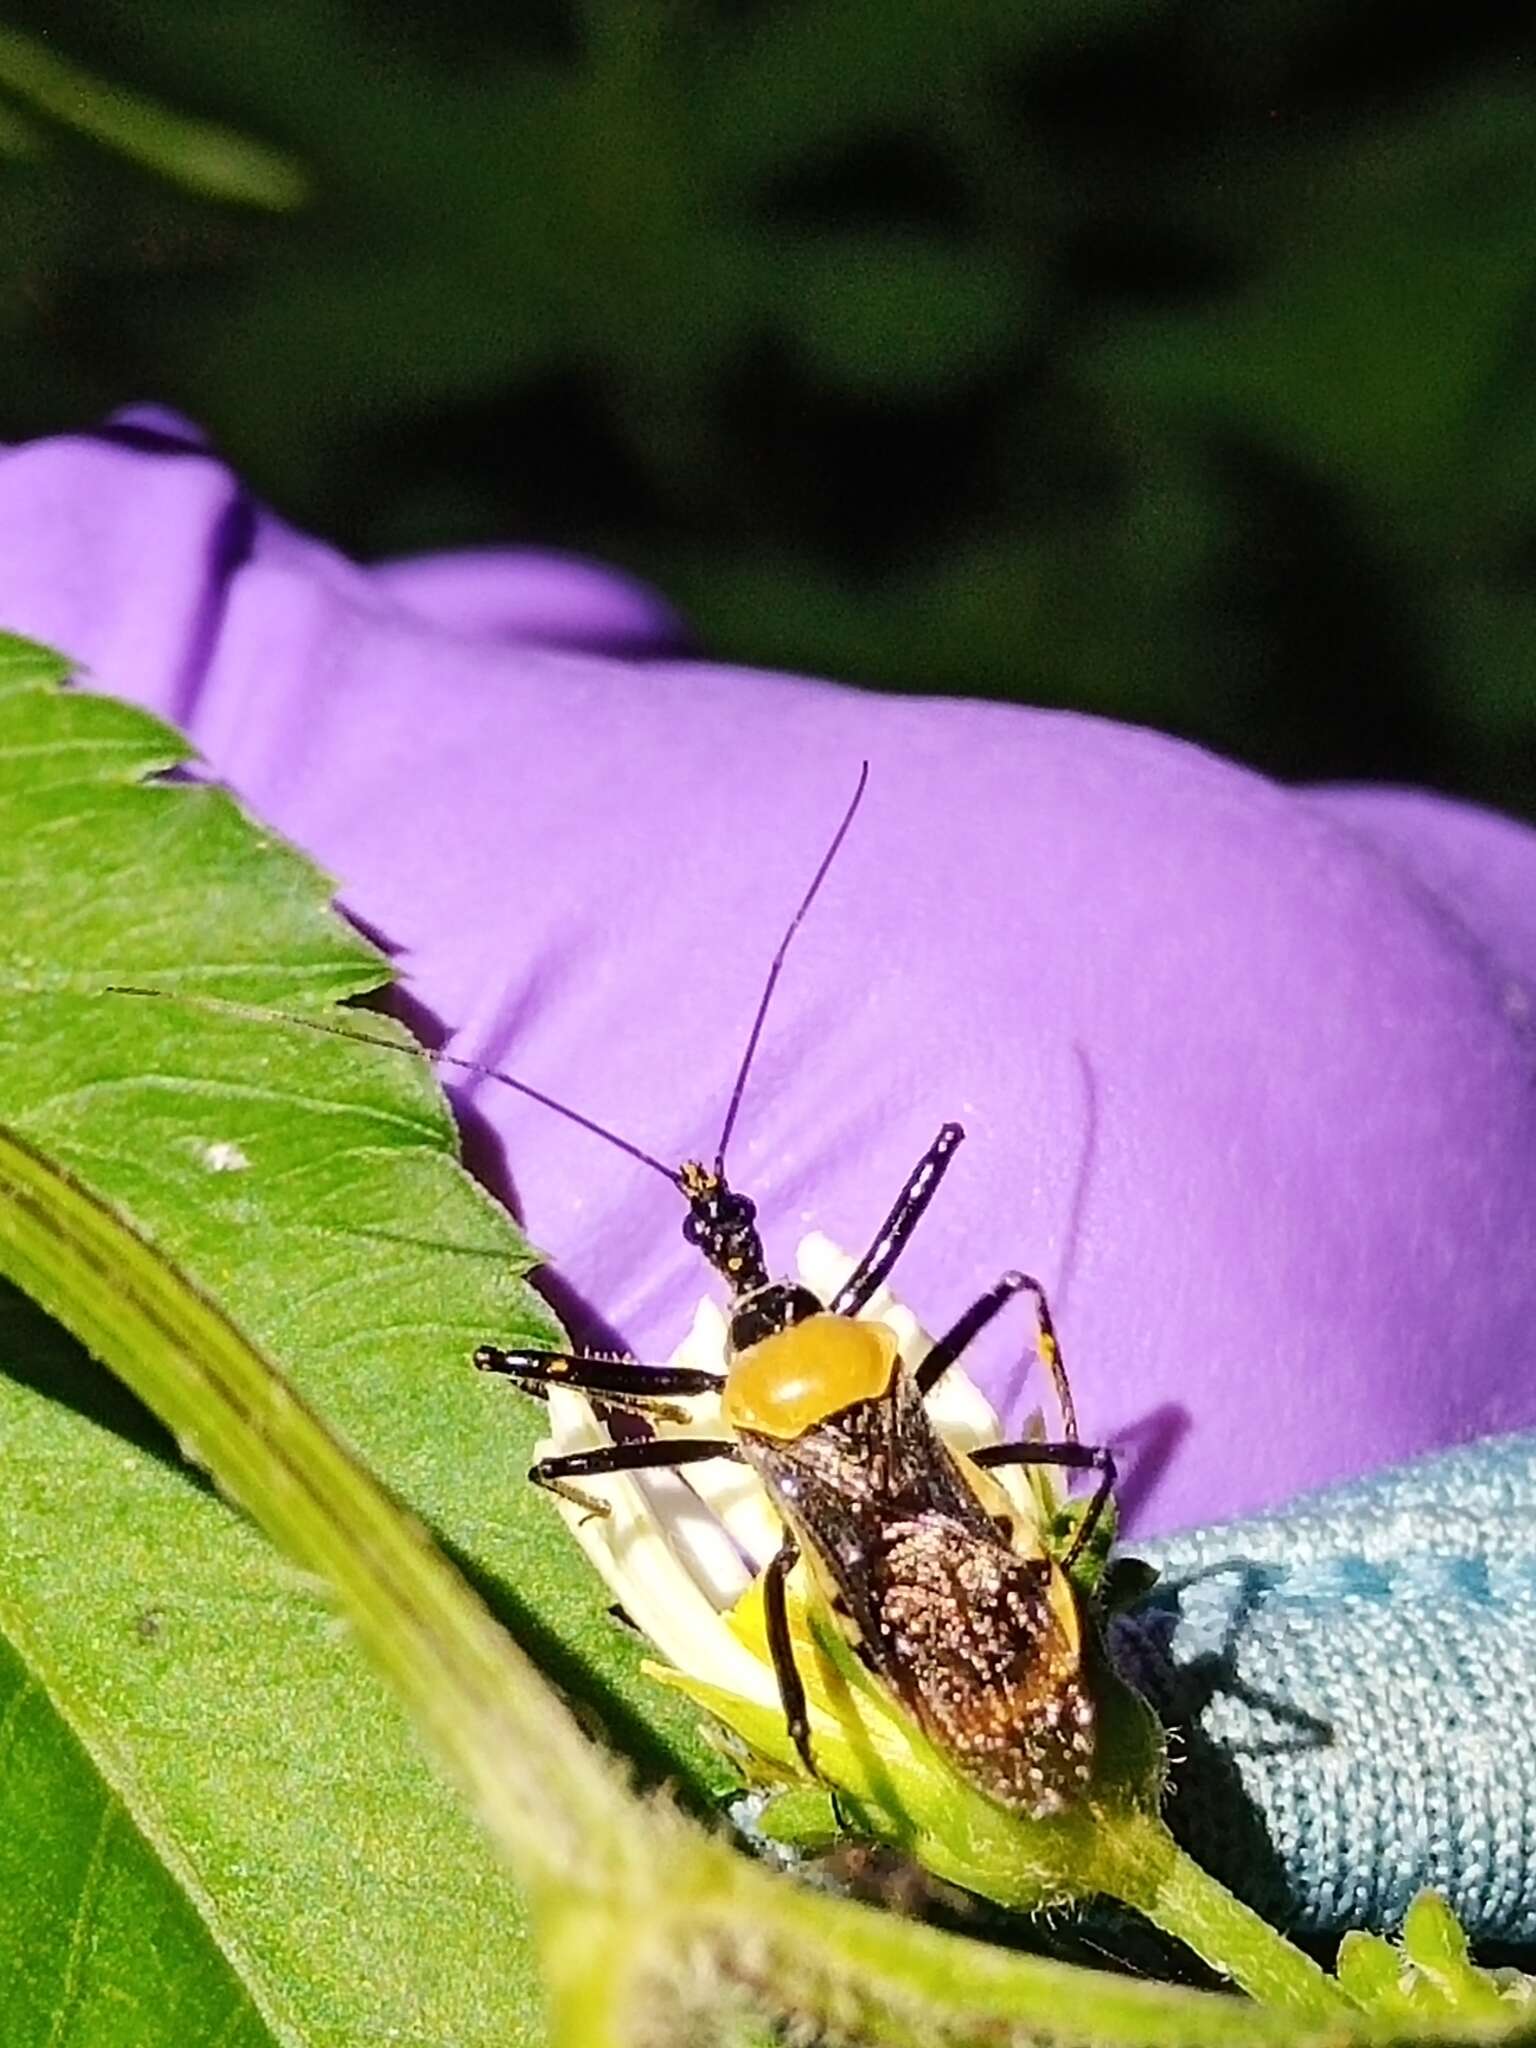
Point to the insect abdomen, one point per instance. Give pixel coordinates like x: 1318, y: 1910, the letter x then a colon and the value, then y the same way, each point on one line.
x: 983, y: 1647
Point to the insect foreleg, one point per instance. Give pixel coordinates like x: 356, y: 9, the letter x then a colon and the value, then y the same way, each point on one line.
x: 976, y: 1318
x: 968, y: 1327
x: 904, y: 1218
x: 1071, y: 1457
x: 782, y: 1650
x: 615, y: 1382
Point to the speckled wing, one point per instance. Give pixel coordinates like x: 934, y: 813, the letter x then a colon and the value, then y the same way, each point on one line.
x: 984, y: 1648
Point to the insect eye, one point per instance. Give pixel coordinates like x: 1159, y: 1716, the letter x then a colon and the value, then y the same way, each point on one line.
x: 718, y: 1219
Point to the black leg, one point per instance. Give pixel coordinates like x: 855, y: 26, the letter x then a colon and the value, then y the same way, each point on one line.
x: 899, y: 1225
x: 644, y: 1454
x: 617, y: 1382
x: 968, y: 1327
x: 976, y: 1319
x: 1072, y: 1457
x: 1048, y: 1344
x: 782, y: 1650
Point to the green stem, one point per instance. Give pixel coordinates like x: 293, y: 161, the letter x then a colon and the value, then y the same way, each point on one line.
x: 584, y: 2004
x: 913, y: 1986
x: 1147, y: 1869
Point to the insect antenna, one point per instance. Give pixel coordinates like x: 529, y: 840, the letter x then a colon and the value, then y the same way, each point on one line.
x: 439, y: 1059
x: 552, y: 1102
x: 771, y: 983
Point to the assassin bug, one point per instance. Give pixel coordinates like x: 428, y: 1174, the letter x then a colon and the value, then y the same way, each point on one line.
x: 980, y: 1640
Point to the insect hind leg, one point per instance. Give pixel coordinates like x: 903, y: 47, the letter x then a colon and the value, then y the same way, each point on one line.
x: 1070, y: 1457
x: 781, y: 1650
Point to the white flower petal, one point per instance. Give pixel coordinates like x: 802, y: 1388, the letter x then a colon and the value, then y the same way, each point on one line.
x: 685, y: 1504
x: 824, y: 1266
x: 648, y: 1578
x: 704, y: 1346
x: 736, y: 1495
x: 731, y: 1493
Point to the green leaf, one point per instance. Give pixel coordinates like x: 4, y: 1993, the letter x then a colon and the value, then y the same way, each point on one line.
x: 96, y: 1931
x: 208, y: 1721
x: 1430, y: 1976
x: 201, y: 155
x: 18, y: 136
x: 1389, y: 293
x: 898, y: 314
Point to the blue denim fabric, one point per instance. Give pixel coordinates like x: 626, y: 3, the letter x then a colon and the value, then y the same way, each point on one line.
x: 1352, y: 1683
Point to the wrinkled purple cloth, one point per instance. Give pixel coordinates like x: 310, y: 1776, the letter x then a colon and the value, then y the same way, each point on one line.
x: 1247, y: 1072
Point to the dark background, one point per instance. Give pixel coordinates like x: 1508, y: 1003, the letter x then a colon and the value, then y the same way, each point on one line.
x: 1173, y: 361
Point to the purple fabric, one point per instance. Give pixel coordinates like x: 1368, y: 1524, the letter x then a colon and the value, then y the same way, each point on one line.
x: 1247, y: 1073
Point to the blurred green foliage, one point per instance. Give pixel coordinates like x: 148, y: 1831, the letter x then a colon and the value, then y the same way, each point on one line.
x: 1167, y: 360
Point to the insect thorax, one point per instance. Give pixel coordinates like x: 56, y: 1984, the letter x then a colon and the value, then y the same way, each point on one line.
x: 805, y: 1368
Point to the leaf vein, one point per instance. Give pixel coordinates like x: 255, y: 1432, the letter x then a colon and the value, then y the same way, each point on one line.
x: 84, y: 1920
